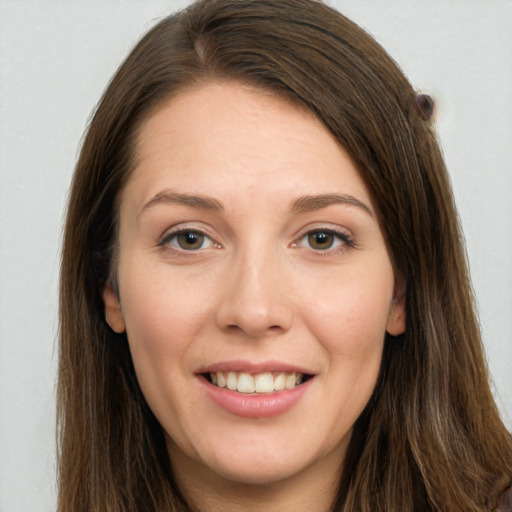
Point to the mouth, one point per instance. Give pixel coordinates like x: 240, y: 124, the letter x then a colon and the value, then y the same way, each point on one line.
x: 256, y: 383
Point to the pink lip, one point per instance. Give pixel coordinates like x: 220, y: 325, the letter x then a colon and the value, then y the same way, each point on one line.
x: 255, y: 405
x: 253, y: 367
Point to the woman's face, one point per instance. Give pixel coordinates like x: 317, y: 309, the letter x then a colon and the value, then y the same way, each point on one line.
x: 255, y: 286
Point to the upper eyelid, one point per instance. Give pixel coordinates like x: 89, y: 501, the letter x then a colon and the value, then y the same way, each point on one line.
x: 335, y: 229
x: 340, y: 234
x: 343, y: 234
x: 175, y: 230
x: 341, y: 231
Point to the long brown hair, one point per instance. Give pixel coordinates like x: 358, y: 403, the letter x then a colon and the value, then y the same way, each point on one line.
x: 431, y: 438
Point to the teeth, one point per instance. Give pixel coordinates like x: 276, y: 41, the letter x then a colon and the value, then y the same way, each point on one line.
x: 231, y: 381
x: 220, y: 378
x: 264, y: 383
x: 247, y: 383
x: 289, y: 383
x: 279, y: 382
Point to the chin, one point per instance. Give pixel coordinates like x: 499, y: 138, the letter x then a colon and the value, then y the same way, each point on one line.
x: 257, y: 461
x: 261, y: 462
x: 257, y: 474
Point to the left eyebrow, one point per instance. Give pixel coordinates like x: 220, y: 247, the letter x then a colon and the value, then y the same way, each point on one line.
x: 308, y: 203
x: 194, y: 201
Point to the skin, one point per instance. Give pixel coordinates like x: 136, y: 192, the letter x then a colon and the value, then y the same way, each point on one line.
x: 255, y: 290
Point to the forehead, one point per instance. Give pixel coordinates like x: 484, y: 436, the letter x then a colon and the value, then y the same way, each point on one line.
x: 224, y: 136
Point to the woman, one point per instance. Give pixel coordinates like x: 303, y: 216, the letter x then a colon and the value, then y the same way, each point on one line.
x: 265, y: 302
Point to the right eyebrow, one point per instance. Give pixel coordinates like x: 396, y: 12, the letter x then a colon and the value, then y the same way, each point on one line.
x: 194, y: 200
x: 317, y: 202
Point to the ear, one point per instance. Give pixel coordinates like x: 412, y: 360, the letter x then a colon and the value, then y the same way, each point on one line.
x: 113, y: 313
x: 396, y: 319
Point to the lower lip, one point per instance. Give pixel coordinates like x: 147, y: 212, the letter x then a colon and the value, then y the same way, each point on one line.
x: 264, y: 405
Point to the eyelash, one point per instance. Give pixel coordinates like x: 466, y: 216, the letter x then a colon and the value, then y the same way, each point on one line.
x: 341, y: 240
x: 168, y: 237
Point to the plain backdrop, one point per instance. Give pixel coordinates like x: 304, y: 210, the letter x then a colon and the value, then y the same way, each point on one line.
x: 55, y: 60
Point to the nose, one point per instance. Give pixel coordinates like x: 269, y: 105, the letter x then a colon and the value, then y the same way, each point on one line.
x: 256, y: 301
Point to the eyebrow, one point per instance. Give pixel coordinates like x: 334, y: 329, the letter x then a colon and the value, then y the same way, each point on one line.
x: 193, y: 200
x: 309, y: 203
x: 302, y: 204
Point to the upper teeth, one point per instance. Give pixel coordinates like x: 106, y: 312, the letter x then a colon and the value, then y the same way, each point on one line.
x: 258, y: 383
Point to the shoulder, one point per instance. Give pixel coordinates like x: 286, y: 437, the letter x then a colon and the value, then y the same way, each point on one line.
x: 505, y: 501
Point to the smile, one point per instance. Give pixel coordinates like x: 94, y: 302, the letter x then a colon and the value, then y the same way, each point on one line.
x: 259, y: 383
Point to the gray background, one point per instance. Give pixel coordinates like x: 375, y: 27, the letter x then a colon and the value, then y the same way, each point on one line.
x: 55, y: 60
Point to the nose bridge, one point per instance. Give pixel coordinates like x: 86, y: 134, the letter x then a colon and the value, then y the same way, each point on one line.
x: 256, y: 300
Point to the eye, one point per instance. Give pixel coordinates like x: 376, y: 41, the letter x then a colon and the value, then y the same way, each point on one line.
x: 324, y: 239
x: 321, y: 240
x: 187, y: 240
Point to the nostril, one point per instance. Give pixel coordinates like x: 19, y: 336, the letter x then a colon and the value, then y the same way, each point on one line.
x: 254, y: 314
x: 261, y: 330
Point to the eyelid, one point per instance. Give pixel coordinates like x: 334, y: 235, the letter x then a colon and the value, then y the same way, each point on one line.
x: 342, y: 234
x: 172, y: 232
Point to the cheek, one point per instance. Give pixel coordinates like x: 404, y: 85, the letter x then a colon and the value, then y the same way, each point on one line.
x: 158, y: 299
x: 351, y: 316
x: 163, y: 316
x: 350, y: 323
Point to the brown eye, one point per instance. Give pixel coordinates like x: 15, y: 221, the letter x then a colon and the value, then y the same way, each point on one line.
x: 190, y: 240
x: 321, y: 240
x: 325, y: 240
x: 187, y: 240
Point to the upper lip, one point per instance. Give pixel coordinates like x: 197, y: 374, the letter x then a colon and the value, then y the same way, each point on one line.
x: 254, y: 367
